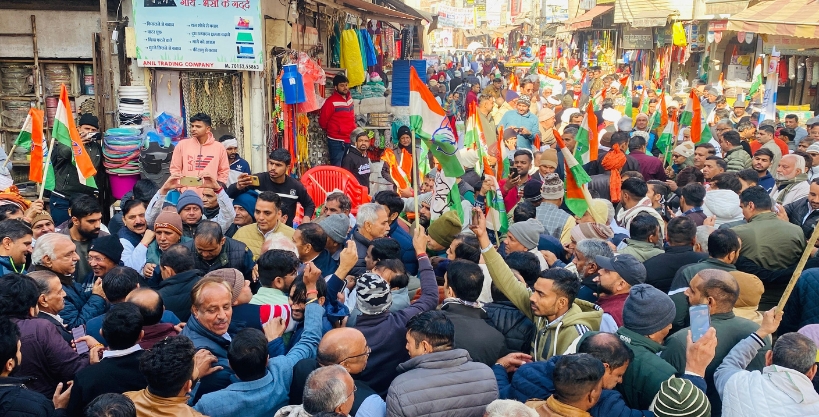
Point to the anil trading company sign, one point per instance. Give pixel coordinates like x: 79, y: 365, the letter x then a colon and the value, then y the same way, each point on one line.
x: 199, y: 34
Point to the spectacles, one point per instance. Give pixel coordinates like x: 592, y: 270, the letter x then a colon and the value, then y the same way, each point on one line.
x: 95, y: 258
x: 355, y: 388
x: 366, y: 353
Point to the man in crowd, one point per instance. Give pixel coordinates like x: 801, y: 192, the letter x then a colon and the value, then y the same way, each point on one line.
x: 237, y: 164
x: 155, y: 326
x: 267, y: 213
x: 792, y: 122
x: 41, y: 224
x: 372, y: 222
x: 118, y: 372
x: 168, y: 231
x: 15, y: 246
x: 277, y: 271
x: 660, y: 269
x: 276, y: 180
x: 83, y: 227
x: 178, y: 278
x: 337, y: 118
x: 212, y: 250
x: 346, y: 347
x: 551, y: 304
x: 430, y: 339
x: 735, y: 156
x: 245, y: 206
x: 763, y: 159
x: 766, y: 240
x: 791, y: 180
x: 701, y: 152
x: 765, y: 136
x: 522, y: 121
x: 394, y: 205
x: 578, y: 381
x: 329, y: 390
x: 355, y: 159
x: 712, y: 167
x: 200, y: 154
x: 650, y: 166
x: 67, y: 181
x: 719, y: 291
x: 691, y: 199
x: 782, y: 387
x: 617, y: 275
x: 644, y: 233
x: 51, y: 301
x: 310, y: 241
x: 555, y: 221
x: 803, y: 212
x: 170, y: 368
x: 190, y: 206
x: 135, y: 236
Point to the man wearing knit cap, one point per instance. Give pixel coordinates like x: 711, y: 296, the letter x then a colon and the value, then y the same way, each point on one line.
x: 104, y: 254
x: 189, y: 205
x: 442, y: 231
x: 337, y: 227
x: 647, y: 316
x: 679, y: 397
x: 524, y: 237
x: 523, y: 121
x: 549, y: 162
x: 168, y: 232
x: 617, y: 274
x: 41, y: 224
x: 244, y: 205
x: 556, y: 222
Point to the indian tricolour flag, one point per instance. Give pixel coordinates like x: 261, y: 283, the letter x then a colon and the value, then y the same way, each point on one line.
x: 628, y: 110
x: 65, y: 132
x: 430, y: 124
x: 688, y: 112
x: 587, y: 138
x: 666, y: 142
x: 757, y: 78
x: 577, y: 195
x: 31, y: 137
x: 474, y: 139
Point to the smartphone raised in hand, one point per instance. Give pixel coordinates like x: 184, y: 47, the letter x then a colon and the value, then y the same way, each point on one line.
x: 700, y: 321
x: 77, y: 333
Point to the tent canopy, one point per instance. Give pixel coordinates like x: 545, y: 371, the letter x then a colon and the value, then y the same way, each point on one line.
x: 799, y: 18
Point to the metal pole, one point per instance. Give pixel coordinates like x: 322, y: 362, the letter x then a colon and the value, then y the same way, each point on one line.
x: 415, y: 179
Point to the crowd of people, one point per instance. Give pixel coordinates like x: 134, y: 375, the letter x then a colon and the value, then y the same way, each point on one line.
x: 219, y: 298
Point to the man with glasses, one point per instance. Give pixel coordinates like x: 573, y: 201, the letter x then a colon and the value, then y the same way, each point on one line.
x: 345, y: 346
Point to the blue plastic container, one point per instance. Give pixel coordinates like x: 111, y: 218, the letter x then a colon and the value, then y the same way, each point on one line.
x: 292, y: 85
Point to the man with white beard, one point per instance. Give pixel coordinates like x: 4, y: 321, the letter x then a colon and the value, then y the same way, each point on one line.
x: 791, y: 180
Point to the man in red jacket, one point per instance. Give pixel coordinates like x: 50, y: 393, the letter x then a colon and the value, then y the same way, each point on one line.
x: 337, y: 118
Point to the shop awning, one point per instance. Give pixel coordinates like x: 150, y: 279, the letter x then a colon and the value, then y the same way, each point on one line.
x: 371, y: 11
x: 799, y: 18
x: 403, y: 8
x: 724, y: 7
x: 645, y: 13
x: 585, y: 20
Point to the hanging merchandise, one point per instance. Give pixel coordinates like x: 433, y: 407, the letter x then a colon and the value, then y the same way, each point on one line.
x: 800, y: 71
x: 783, y: 72
x: 292, y: 84
x: 678, y: 34
x: 351, y: 59
x: 369, y: 48
x: 765, y: 65
x: 815, y: 73
x: 335, y: 46
x: 792, y: 67
x: 808, y: 70
x: 311, y: 74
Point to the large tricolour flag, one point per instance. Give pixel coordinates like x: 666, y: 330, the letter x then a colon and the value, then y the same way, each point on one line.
x: 65, y: 132
x: 31, y: 137
x: 587, y: 137
x: 430, y: 124
x: 757, y: 78
x: 577, y: 195
x: 666, y: 142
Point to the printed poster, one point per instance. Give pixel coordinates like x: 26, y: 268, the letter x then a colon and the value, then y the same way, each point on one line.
x: 199, y: 34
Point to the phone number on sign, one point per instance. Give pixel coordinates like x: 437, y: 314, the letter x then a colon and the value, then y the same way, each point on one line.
x: 243, y: 66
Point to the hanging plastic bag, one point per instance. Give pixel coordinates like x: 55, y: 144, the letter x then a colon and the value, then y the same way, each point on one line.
x: 678, y: 34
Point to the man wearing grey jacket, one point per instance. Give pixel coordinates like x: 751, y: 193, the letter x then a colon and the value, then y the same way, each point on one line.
x: 438, y: 378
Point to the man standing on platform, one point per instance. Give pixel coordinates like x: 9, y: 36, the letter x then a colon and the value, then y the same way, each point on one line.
x: 337, y: 118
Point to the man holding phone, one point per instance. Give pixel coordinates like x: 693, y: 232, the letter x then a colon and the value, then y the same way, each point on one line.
x: 719, y: 291
x: 512, y: 187
x: 523, y: 121
x: 200, y: 154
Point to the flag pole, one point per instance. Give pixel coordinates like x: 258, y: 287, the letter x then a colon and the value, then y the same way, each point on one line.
x: 47, y: 166
x: 798, y: 272
x: 415, y: 179
x: 8, y: 157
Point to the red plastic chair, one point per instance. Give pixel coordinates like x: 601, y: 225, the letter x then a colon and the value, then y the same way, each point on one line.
x: 322, y: 180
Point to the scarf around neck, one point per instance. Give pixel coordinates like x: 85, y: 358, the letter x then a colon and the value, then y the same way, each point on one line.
x: 785, y: 186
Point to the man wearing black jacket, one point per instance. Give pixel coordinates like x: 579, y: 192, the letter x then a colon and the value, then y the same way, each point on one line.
x: 660, y: 270
x: 805, y: 211
x: 118, y: 372
x: 276, y: 179
x: 355, y: 159
x: 67, y: 181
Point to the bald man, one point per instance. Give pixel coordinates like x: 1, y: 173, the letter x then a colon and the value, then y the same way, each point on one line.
x: 345, y: 346
x: 791, y: 180
x: 719, y: 290
x: 152, y: 309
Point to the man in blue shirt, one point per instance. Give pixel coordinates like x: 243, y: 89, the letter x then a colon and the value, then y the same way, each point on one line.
x: 237, y: 164
x: 523, y: 121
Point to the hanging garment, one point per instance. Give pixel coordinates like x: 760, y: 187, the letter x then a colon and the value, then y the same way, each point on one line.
x: 351, y: 59
x: 369, y: 48
x: 335, y: 46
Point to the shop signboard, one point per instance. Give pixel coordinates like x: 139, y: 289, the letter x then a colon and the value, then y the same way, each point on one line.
x: 790, y: 45
x: 480, y: 10
x: 638, y: 38
x: 587, y: 4
x: 456, y: 17
x: 199, y: 34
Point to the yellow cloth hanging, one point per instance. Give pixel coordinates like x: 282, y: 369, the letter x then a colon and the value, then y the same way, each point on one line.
x: 351, y: 59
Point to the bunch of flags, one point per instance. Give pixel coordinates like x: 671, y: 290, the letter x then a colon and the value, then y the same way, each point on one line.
x: 65, y: 133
